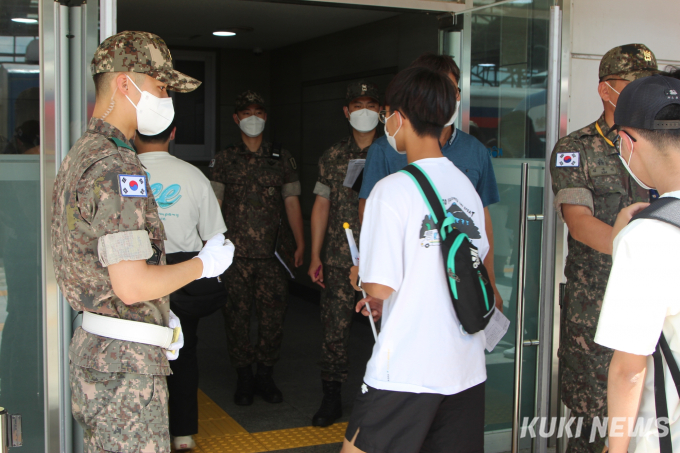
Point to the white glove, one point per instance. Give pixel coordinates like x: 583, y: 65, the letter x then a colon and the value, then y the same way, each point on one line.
x: 173, y: 350
x: 217, y: 255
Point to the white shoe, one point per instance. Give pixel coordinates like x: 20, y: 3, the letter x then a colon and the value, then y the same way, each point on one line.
x: 184, y: 443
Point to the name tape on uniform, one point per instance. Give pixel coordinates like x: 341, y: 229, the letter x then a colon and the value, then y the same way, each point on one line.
x: 568, y: 159
x: 132, y: 185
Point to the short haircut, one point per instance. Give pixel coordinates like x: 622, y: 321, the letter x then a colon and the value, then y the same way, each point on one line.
x: 158, y: 138
x: 672, y: 71
x: 661, y: 139
x: 427, y: 98
x: 102, y: 81
x: 442, y: 64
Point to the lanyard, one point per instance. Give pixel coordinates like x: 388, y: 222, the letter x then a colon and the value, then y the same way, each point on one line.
x: 597, y: 126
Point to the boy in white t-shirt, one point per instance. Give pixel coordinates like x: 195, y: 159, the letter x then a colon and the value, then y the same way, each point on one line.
x: 424, y: 384
x: 191, y: 214
x: 642, y: 299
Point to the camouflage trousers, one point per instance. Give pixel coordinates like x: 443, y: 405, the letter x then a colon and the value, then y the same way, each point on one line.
x: 337, y: 309
x: 262, y: 282
x: 584, y: 367
x: 120, y: 412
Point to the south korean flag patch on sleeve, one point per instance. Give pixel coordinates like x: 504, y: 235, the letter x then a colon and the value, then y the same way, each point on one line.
x: 132, y: 185
x: 568, y: 160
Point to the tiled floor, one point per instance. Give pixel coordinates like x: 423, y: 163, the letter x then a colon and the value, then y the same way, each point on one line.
x: 277, y: 426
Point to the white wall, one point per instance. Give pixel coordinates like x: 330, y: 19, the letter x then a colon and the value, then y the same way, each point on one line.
x: 599, y: 25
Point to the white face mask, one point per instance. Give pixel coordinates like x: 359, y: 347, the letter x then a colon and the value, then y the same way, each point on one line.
x: 363, y: 120
x: 391, y: 138
x: 627, y: 165
x: 614, y: 92
x: 154, y: 114
x: 252, y: 126
x: 455, y: 115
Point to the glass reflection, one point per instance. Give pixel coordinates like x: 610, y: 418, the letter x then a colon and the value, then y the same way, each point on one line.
x: 21, y: 380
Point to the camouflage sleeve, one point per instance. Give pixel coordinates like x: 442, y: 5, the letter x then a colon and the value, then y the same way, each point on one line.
x: 570, y: 184
x: 291, y: 180
x: 118, y: 222
x: 323, y: 185
x: 217, y: 172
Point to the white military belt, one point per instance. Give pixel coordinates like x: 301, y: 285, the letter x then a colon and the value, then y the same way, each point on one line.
x: 126, y: 330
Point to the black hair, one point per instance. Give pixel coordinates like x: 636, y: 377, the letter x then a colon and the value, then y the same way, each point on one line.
x: 158, y: 138
x: 672, y: 71
x: 663, y: 138
x: 427, y: 98
x: 443, y: 64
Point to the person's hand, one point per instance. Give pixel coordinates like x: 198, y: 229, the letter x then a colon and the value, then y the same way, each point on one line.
x: 624, y: 217
x: 316, y: 271
x: 299, y: 256
x: 217, y: 255
x: 499, y: 299
x: 354, y: 277
x: 173, y: 350
x: 376, y: 307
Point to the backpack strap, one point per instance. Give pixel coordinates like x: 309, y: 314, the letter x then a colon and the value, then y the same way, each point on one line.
x: 665, y: 444
x: 432, y: 199
x: 666, y: 209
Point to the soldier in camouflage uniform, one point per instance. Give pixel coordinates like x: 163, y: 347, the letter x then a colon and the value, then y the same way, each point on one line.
x: 102, y: 236
x: 335, y: 205
x: 591, y: 186
x: 260, y: 189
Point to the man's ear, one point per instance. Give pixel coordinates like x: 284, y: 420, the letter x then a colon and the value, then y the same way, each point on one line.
x: 236, y: 120
x: 346, y: 111
x: 123, y: 83
x: 603, y: 91
x: 172, y: 134
x: 265, y: 116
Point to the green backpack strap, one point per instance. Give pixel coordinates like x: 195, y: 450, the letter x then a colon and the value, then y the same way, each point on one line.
x: 432, y: 198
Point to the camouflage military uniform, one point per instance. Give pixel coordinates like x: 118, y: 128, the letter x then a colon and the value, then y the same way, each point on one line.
x: 119, y: 392
x: 255, y: 186
x: 116, y: 385
x: 601, y: 183
x: 338, y: 299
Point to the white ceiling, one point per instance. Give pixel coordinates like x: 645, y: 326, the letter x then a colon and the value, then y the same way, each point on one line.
x: 191, y: 23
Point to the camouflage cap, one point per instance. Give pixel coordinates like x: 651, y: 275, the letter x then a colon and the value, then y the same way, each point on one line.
x: 247, y: 98
x: 362, y: 88
x: 141, y: 52
x: 629, y: 62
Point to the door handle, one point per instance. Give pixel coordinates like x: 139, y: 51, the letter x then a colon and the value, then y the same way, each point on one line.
x: 519, y: 325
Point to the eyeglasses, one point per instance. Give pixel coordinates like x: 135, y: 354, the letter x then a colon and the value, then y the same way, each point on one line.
x: 617, y: 140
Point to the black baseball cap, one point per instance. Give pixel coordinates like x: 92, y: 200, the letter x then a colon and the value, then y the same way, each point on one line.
x: 643, y: 99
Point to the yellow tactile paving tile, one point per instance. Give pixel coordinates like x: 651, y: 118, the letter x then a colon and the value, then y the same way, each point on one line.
x: 219, y: 433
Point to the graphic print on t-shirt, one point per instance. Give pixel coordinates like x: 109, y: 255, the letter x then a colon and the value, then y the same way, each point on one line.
x: 165, y: 198
x: 429, y: 236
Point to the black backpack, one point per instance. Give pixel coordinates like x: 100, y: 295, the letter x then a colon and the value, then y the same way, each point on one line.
x: 666, y: 210
x: 469, y: 285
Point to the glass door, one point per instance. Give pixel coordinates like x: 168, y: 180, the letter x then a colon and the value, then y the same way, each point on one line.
x: 21, y: 340
x: 503, y: 54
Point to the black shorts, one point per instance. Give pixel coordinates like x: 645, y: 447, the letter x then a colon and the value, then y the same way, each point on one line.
x: 403, y: 422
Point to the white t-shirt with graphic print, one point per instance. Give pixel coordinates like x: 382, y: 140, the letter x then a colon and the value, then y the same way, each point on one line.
x: 421, y: 347
x: 187, y: 205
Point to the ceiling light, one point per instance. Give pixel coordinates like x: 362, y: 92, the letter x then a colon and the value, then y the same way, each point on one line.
x: 486, y: 65
x: 23, y: 20
x: 224, y: 33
